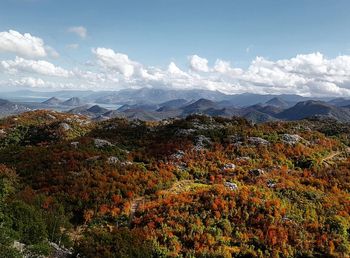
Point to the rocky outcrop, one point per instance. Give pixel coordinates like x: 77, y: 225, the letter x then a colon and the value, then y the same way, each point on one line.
x: 112, y: 160
x: 257, y: 141
x: 231, y: 186
x: 65, y: 126
x: 100, y: 143
x: 201, y: 142
x: 292, y: 139
x: 228, y: 167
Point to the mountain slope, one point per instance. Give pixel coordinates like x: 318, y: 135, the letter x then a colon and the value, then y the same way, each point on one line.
x: 73, y: 102
x: 9, y: 108
x: 277, y: 102
x: 52, y: 101
x: 315, y: 108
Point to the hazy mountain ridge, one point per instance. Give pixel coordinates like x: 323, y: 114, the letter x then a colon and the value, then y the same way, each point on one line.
x: 158, y: 104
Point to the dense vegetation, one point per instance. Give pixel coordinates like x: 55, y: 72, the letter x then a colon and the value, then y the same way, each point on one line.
x: 194, y: 187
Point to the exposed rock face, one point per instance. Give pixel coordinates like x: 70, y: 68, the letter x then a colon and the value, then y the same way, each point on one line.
x: 178, y: 155
x: 126, y: 163
x: 65, y: 126
x: 112, y: 160
x: 231, y: 186
x: 59, y: 252
x: 2, y: 133
x: 19, y: 246
x: 257, y: 141
x: 243, y: 159
x: 100, y: 143
x: 56, y: 251
x: 229, y: 167
x: 51, y: 117
x: 201, y: 142
x: 292, y: 139
x: 184, y: 132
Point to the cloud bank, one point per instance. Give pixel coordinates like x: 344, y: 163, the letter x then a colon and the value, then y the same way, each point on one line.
x: 305, y: 74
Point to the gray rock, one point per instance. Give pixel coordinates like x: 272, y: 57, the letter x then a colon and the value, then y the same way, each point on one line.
x: 243, y: 159
x: 65, y: 126
x: 201, y: 142
x: 2, y: 132
x: 228, y: 167
x: 112, y: 160
x: 126, y: 163
x: 292, y: 139
x: 178, y: 155
x: 257, y: 141
x: 184, y: 132
x: 49, y: 116
x: 100, y: 143
x: 19, y: 246
x: 59, y: 252
x: 231, y: 186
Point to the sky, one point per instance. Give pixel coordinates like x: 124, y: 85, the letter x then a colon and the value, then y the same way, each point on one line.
x: 234, y: 46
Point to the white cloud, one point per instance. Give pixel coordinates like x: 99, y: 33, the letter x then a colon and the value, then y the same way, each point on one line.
x: 198, y: 64
x: 224, y: 67
x: 41, y: 67
x: 174, y: 70
x: 115, y: 61
x: 79, y: 31
x: 24, y: 45
x: 28, y: 82
x: 309, y: 75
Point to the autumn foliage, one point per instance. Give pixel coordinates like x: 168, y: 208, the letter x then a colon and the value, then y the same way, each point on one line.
x: 194, y: 187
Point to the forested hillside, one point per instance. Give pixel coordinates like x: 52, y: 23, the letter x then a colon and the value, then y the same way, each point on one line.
x: 194, y: 187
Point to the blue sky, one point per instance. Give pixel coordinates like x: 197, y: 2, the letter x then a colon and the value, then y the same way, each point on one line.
x: 155, y: 33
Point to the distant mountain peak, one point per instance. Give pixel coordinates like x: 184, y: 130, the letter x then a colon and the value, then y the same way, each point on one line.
x: 277, y: 102
x: 311, y: 108
x: 74, y: 101
x: 52, y: 101
x: 97, y: 109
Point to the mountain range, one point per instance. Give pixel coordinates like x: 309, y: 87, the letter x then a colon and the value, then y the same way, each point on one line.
x: 158, y: 104
x: 274, y: 109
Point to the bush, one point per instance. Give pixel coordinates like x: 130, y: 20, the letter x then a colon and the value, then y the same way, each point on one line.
x: 27, y: 222
x: 118, y: 243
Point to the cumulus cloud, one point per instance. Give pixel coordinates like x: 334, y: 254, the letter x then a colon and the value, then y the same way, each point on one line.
x: 24, y: 45
x: 198, y: 64
x: 224, y: 67
x: 115, y: 61
x: 41, y: 67
x: 79, y: 31
x: 174, y: 70
x: 309, y: 75
x: 28, y: 82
